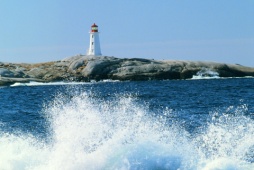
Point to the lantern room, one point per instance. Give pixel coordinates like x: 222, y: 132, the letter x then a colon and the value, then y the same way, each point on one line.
x: 94, y: 28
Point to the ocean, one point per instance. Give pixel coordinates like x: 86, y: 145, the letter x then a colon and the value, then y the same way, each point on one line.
x: 200, y: 124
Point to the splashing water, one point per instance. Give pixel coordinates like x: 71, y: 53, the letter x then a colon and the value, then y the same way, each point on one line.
x: 206, y: 73
x: 86, y: 132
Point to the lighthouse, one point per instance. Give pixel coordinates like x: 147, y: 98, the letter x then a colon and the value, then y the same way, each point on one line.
x: 94, y: 46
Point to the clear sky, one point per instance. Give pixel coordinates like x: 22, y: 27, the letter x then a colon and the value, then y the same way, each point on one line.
x: 206, y: 30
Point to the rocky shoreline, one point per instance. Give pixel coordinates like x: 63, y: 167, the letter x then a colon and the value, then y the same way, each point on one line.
x: 87, y: 68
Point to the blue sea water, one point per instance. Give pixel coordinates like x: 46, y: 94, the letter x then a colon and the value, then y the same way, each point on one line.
x: 174, y: 124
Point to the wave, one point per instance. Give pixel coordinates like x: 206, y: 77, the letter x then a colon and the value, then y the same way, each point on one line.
x: 86, y: 132
x: 206, y: 74
x: 34, y: 83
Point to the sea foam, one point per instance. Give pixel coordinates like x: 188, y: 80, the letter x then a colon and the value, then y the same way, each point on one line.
x: 34, y: 83
x: 87, y: 132
x: 206, y: 74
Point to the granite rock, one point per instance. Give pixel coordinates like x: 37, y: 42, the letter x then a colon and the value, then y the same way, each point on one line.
x: 86, y: 68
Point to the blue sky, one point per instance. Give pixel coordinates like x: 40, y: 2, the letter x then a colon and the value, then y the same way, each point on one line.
x: 212, y: 30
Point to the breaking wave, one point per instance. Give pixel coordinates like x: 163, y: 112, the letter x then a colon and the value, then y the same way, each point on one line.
x: 87, y: 132
x: 206, y: 74
x: 34, y: 83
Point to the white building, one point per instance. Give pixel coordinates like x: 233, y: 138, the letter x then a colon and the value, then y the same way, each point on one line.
x: 94, y: 47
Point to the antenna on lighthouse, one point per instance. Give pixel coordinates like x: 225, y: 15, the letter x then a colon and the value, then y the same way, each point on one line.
x: 94, y: 47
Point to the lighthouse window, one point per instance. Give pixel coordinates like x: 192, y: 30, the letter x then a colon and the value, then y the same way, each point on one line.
x: 92, y: 36
x: 92, y: 43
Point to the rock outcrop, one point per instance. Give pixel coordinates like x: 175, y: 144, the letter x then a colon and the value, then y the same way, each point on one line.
x: 86, y: 68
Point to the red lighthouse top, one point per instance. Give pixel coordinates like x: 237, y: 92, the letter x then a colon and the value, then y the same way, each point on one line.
x: 94, y: 28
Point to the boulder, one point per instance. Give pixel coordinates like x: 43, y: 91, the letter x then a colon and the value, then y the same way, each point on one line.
x: 76, y: 64
x: 6, y: 73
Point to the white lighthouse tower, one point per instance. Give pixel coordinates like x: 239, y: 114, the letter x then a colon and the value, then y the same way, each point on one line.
x: 94, y: 47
